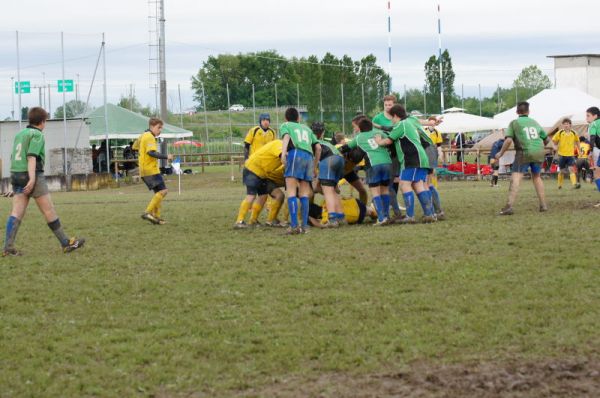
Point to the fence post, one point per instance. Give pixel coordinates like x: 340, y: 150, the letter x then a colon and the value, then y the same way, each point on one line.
x: 276, y: 108
x: 343, y: 113
x: 480, y: 105
x: 205, y: 119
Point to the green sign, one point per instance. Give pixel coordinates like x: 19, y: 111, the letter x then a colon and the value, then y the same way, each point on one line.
x: 23, y: 87
x: 65, y: 85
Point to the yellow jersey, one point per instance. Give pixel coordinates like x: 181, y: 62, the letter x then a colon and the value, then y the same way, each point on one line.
x: 257, y: 138
x: 584, y: 150
x: 435, y: 135
x: 354, y: 211
x: 277, y: 176
x: 567, y: 142
x: 148, y: 164
x: 266, y: 159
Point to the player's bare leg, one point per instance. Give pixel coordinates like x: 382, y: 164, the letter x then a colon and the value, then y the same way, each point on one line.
x: 46, y: 207
x: 539, y: 190
x: 513, y: 190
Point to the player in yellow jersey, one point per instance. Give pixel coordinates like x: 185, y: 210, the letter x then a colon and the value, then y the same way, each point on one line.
x: 583, y: 159
x: 258, y: 168
x: 259, y: 135
x: 149, y: 171
x: 567, y: 143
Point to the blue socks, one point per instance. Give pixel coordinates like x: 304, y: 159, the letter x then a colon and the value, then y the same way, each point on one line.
x: 435, y: 197
x: 598, y: 184
x: 386, y: 205
x: 378, y: 202
x: 394, y: 199
x: 12, y: 226
x: 305, y: 206
x: 425, y: 201
x: 293, y: 208
x: 409, y: 203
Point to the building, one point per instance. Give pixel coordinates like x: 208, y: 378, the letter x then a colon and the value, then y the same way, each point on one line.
x: 581, y: 71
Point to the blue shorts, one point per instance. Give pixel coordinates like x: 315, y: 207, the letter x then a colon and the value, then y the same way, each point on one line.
x: 331, y: 170
x: 414, y: 174
x: 566, y: 161
x: 536, y: 168
x: 379, y: 175
x: 254, y: 184
x: 299, y: 165
x: 598, y: 162
x: 155, y: 182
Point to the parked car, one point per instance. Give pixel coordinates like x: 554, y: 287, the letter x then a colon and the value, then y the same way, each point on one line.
x: 236, y: 108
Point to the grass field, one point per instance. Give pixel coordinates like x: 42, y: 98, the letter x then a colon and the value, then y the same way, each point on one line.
x: 194, y: 308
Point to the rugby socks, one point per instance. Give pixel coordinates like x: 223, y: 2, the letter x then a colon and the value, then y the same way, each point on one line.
x: 293, y: 209
x: 394, y: 199
x: 598, y: 184
x: 425, y: 202
x: 386, y: 205
x: 256, y: 209
x: 494, y: 180
x: 154, y: 203
x: 12, y: 226
x: 561, y: 178
x: 434, y: 181
x: 58, y: 231
x: 305, y: 207
x: 274, y: 210
x: 435, y: 198
x: 573, y: 178
x: 244, y: 207
x: 409, y: 203
x: 378, y: 202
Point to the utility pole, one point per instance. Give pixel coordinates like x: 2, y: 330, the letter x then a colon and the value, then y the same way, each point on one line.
x: 161, y: 62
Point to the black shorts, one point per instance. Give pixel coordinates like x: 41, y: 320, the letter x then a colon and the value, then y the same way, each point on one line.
x: 351, y: 177
x: 271, y: 186
x: 155, y: 182
x: 254, y: 184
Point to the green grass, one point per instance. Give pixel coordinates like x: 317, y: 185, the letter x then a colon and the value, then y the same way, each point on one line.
x: 195, y: 307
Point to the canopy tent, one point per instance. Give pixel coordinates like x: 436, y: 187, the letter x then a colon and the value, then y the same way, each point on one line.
x: 125, y: 124
x: 458, y: 121
x: 550, y: 106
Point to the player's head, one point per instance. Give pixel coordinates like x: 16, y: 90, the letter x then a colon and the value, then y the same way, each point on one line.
x: 264, y: 119
x: 37, y: 117
x: 398, y: 113
x: 155, y: 126
x: 292, y: 115
x: 582, y: 139
x: 592, y: 114
x: 355, y: 120
x: 339, y: 138
x: 388, y: 102
x: 318, y: 128
x: 566, y: 124
x: 523, y: 108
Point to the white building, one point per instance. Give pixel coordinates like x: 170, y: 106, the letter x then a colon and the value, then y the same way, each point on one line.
x: 578, y: 71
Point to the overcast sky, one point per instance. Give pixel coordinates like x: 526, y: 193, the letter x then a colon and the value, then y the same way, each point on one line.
x: 490, y: 41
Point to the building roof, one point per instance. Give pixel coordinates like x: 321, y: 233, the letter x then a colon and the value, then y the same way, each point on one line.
x: 575, y: 56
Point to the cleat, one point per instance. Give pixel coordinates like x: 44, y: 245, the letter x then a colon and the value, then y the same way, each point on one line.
x: 382, y: 223
x: 275, y: 224
x: 428, y: 219
x: 560, y: 187
x: 407, y: 220
x: 543, y: 208
x: 240, y: 225
x: 506, y: 211
x: 441, y: 216
x: 254, y: 224
x: 597, y: 205
x: 12, y: 252
x: 161, y: 221
x: 303, y: 230
x: 73, y: 244
x: 331, y: 224
x: 292, y: 231
x: 150, y: 217
x: 577, y: 186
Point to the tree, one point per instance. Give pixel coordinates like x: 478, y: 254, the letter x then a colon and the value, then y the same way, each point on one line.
x: 531, y: 81
x: 74, y: 108
x: 130, y: 103
x: 432, y: 79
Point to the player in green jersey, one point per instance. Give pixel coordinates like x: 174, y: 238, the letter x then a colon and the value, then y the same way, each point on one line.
x: 593, y: 118
x: 27, y: 178
x: 530, y: 140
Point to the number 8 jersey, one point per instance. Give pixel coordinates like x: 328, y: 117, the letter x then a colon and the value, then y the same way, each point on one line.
x: 301, y: 137
x: 529, y: 138
x: 28, y: 142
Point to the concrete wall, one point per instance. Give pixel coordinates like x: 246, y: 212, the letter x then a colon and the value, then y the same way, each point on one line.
x: 582, y: 73
x: 79, y: 159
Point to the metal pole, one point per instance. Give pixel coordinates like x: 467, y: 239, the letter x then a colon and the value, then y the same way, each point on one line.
x: 49, y: 100
x: 276, y: 107
x: 104, y: 99
x: 462, y: 95
x: 12, y: 90
x: 480, y: 109
x: 389, y: 7
x: 362, y: 89
x: 425, y: 100
x: 64, y: 99
x: 440, y: 59
x: 40, y: 95
x: 19, y: 82
x: 405, y: 96
x: 516, y: 94
x: 230, y: 132
x: 205, y: 119
x: 343, y: 113
x: 44, y: 85
x: 321, y: 99
x: 498, y: 96
x: 253, y: 103
x: 77, y: 89
x: 180, y: 107
x: 162, y: 64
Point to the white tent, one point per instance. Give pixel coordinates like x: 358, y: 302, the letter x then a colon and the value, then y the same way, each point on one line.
x: 550, y: 106
x: 457, y: 121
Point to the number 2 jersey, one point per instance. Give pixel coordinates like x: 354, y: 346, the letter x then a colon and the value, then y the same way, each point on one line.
x: 301, y: 137
x: 528, y: 137
x: 28, y: 142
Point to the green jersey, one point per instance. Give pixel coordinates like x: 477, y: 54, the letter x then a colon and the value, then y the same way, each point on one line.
x: 381, y: 120
x: 375, y: 154
x: 301, y: 137
x: 28, y: 142
x: 528, y: 137
x: 425, y: 138
x: 328, y: 149
x: 594, y: 128
x: 410, y: 150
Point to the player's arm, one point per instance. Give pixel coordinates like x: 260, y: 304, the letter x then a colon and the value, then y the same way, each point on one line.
x: 317, y: 149
x: 507, y: 143
x: 248, y: 142
x: 284, y: 148
x: 31, y: 163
